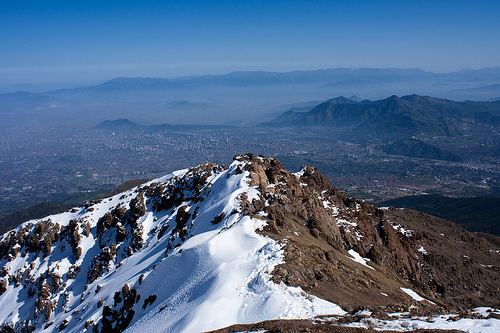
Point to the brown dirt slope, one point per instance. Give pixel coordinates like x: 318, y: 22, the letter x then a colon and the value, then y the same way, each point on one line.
x: 303, y: 326
x: 318, y: 225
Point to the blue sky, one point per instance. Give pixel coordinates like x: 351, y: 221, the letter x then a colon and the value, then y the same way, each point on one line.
x: 69, y: 41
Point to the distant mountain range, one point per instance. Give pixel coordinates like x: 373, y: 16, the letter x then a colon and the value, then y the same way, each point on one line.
x: 487, y: 89
x: 408, y: 114
x: 250, y: 96
x: 325, y: 77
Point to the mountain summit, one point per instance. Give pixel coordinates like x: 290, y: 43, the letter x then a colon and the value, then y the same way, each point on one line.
x: 209, y: 247
x: 412, y: 114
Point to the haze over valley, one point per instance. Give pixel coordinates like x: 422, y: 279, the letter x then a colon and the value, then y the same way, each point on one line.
x: 377, y: 150
x: 243, y: 97
x: 249, y: 166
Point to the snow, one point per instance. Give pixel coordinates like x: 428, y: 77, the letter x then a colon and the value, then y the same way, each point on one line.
x: 402, y: 230
x: 364, y: 313
x: 342, y: 222
x: 484, y: 311
x: 218, y: 266
x: 422, y: 250
x: 8, y: 306
x: 414, y: 295
x: 227, y: 268
x: 300, y: 173
x: 348, y: 226
x: 219, y: 275
x: 357, y: 258
x: 442, y: 322
x: 327, y: 204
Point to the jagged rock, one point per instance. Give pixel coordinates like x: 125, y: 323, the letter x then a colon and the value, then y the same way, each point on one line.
x: 335, y: 247
x: 74, y: 234
x: 118, y: 317
x: 3, y: 286
x: 218, y: 218
x: 44, y: 305
x: 181, y: 219
x: 149, y: 301
x: 63, y: 325
x: 300, y: 204
x: 100, y: 264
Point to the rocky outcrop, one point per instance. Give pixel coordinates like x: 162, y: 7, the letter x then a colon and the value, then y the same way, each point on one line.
x: 451, y: 267
x: 64, y: 268
x: 117, y: 317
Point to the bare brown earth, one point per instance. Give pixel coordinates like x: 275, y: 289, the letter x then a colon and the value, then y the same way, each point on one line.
x: 456, y: 269
x: 317, y: 225
x: 302, y: 326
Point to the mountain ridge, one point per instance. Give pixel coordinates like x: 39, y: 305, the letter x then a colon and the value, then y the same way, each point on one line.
x: 253, y: 238
x: 220, y: 98
x: 331, y: 74
x: 413, y: 114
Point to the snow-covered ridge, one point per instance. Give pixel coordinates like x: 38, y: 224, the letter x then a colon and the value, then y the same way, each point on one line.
x: 165, y: 256
x: 204, y: 248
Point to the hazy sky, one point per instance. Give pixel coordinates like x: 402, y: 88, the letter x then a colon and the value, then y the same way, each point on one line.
x: 77, y: 41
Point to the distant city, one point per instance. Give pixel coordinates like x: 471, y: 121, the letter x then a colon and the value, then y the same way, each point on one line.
x: 54, y: 164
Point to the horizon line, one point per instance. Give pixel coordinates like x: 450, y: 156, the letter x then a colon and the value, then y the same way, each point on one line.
x: 91, y: 83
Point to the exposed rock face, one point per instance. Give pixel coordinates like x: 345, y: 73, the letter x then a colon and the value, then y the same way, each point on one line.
x: 92, y: 268
x: 117, y: 317
x: 452, y: 267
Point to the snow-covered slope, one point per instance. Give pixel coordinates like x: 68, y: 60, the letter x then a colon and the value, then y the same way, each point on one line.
x: 209, y: 247
x: 173, y: 255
